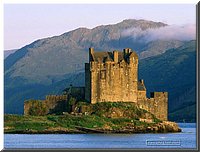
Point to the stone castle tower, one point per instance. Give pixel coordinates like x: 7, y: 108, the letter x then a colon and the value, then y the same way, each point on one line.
x: 113, y: 77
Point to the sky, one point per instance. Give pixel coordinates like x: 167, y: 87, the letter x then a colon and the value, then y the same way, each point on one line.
x: 25, y: 23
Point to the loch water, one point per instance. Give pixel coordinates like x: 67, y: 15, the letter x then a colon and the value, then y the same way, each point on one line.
x: 183, y: 140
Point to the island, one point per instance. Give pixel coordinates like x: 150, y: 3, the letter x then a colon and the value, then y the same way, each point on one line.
x: 106, y: 117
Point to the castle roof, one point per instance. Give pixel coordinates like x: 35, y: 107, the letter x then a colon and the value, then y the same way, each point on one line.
x: 106, y: 56
x: 141, y: 86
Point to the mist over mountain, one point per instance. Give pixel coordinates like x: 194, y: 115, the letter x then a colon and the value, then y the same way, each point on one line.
x: 170, y: 32
x: 49, y: 65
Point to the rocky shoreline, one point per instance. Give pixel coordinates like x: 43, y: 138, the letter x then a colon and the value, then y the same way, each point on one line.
x: 163, y: 127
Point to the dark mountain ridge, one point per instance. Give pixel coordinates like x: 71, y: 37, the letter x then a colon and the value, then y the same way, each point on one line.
x: 8, y: 52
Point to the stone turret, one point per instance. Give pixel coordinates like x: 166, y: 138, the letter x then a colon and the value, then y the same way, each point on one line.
x: 91, y: 51
x: 115, y: 54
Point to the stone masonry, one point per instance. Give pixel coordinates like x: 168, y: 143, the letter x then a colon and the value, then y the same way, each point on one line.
x: 52, y: 104
x: 113, y: 77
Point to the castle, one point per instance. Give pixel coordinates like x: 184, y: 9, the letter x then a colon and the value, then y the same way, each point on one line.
x: 109, y: 77
x: 113, y: 77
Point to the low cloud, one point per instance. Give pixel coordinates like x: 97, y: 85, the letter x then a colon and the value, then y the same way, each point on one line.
x: 172, y: 32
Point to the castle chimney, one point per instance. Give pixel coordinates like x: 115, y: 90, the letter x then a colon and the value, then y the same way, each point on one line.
x: 129, y: 51
x: 125, y: 51
x: 91, y: 51
x: 115, y: 53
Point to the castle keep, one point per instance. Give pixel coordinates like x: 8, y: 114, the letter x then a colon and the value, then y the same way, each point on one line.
x: 113, y: 77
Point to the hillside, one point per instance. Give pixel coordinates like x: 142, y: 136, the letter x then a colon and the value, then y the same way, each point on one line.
x: 49, y: 65
x: 175, y: 72
x: 158, y: 47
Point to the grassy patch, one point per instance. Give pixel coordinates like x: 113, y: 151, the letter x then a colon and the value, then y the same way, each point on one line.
x: 107, y: 115
x: 19, y: 122
x: 70, y: 121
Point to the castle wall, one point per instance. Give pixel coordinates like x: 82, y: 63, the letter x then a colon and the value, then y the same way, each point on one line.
x: 78, y: 93
x: 157, y: 104
x: 55, y: 103
x: 27, y: 105
x: 35, y: 107
x: 87, y: 82
x: 142, y: 95
x: 113, y: 82
x: 52, y: 104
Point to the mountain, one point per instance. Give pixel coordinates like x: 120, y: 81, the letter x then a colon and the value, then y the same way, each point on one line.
x: 157, y: 47
x: 49, y: 65
x: 51, y: 57
x: 175, y: 72
x: 8, y: 52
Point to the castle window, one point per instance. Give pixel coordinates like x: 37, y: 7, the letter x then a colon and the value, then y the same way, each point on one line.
x: 103, y: 74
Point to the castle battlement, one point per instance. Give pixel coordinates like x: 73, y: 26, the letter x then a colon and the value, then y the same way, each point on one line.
x: 158, y: 94
x: 56, y: 97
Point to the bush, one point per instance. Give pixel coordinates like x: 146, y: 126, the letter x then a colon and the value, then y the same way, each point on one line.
x: 72, y: 101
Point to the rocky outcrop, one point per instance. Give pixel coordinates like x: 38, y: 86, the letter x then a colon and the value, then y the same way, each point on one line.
x: 163, y: 127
